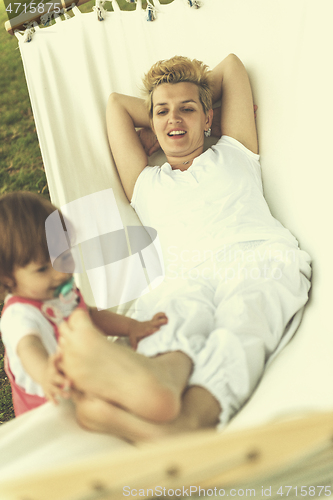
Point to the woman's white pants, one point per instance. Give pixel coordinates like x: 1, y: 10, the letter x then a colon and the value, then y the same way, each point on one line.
x: 231, y: 315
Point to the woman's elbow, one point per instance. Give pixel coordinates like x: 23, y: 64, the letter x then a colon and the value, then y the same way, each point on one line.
x: 113, y: 97
x: 232, y: 59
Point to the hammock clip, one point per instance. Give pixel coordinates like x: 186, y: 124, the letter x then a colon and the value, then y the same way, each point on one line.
x: 66, y: 15
x: 196, y: 4
x: 46, y: 18
x: 65, y: 11
x: 29, y: 31
x: 99, y: 9
x: 150, y: 12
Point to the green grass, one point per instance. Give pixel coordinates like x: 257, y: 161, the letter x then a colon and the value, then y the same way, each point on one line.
x: 21, y: 165
x: 6, y: 407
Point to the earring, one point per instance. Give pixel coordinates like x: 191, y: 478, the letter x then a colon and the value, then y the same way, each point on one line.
x: 208, y: 132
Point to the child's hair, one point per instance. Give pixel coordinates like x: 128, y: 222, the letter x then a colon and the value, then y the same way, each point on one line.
x: 175, y: 70
x: 22, y: 231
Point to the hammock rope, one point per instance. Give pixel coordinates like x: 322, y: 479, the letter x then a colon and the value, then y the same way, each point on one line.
x: 45, y: 19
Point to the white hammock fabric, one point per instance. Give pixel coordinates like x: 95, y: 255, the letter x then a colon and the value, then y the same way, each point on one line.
x: 71, y: 68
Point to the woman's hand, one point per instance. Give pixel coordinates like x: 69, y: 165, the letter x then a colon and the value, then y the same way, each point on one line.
x: 140, y: 329
x: 148, y: 140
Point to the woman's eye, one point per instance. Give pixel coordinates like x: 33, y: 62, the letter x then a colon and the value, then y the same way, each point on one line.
x: 188, y: 109
x: 161, y: 112
x: 42, y: 269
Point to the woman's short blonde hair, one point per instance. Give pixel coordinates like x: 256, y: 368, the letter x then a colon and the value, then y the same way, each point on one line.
x: 175, y: 70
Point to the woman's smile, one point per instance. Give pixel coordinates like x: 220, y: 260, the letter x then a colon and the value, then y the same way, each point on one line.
x: 177, y: 133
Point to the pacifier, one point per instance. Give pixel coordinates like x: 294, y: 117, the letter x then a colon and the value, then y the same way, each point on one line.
x: 64, y: 288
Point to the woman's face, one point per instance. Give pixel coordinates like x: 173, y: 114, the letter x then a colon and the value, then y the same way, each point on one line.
x: 179, y: 120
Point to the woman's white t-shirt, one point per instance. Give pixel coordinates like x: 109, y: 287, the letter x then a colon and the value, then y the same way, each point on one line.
x: 216, y: 202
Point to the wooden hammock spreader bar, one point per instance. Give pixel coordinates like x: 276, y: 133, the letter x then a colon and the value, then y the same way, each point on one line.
x: 204, y: 459
x: 37, y: 11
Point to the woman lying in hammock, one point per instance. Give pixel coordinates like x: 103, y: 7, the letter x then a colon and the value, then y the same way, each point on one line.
x: 235, y: 277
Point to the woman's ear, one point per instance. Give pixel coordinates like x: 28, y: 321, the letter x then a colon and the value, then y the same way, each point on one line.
x: 209, y: 118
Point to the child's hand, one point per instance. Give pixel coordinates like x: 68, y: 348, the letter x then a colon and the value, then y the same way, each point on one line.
x: 140, y: 329
x: 55, y: 383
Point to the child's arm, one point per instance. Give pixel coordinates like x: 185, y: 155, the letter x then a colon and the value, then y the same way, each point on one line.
x: 121, y: 326
x: 41, y: 367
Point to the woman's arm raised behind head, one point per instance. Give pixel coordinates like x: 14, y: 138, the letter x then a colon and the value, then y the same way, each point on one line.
x: 123, y: 114
x: 231, y: 85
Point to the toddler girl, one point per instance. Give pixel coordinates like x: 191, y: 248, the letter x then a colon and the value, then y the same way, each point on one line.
x: 38, y: 298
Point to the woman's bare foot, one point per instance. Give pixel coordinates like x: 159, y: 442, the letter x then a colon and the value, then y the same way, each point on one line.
x: 199, y: 410
x: 150, y: 388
